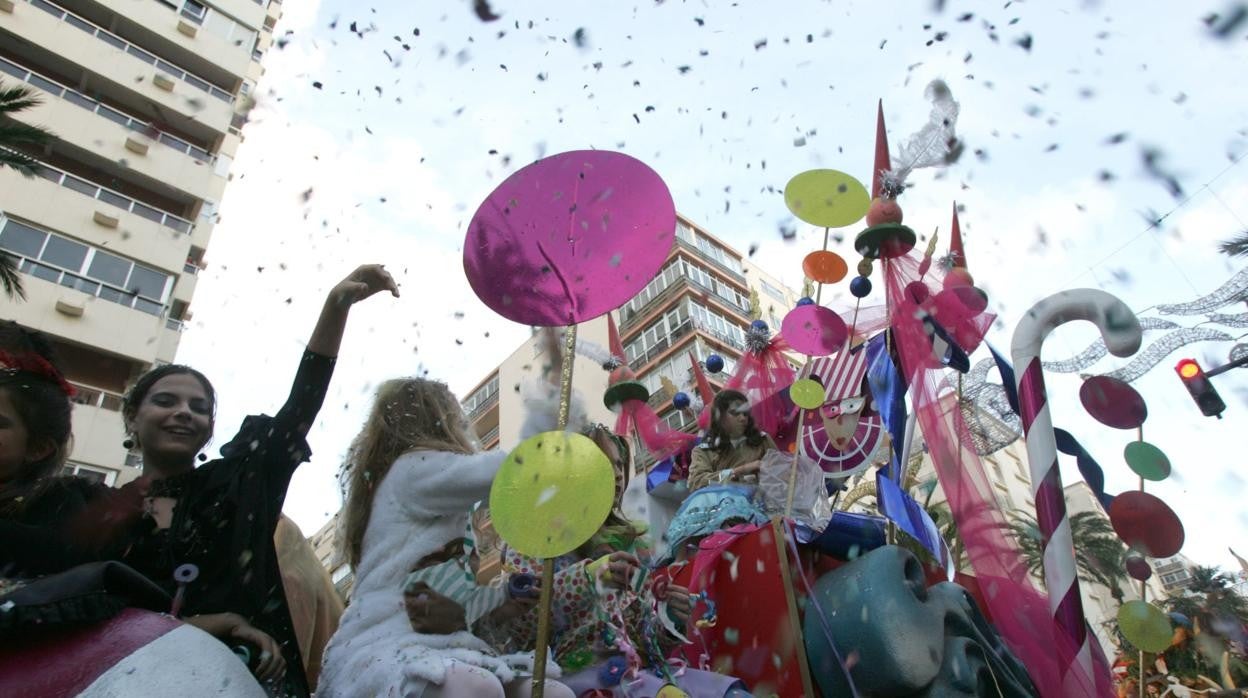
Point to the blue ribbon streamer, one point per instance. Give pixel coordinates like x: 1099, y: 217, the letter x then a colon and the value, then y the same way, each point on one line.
x: 888, y: 391
x: 899, y: 507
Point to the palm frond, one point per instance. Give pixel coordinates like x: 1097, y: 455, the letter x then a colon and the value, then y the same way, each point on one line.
x: 10, y: 279
x: 15, y: 133
x: 19, y: 161
x: 15, y: 99
x: 1236, y: 246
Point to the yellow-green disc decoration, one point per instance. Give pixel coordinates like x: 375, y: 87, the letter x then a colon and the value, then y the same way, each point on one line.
x: 1147, y: 461
x: 807, y: 393
x: 1145, y: 626
x: 827, y: 198
x: 551, y: 494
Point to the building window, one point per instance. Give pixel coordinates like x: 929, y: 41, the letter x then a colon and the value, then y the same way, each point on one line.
x: 340, y: 573
x: 106, y: 476
x: 194, y: 11
x: 74, y: 265
x: 485, y: 395
x: 771, y: 290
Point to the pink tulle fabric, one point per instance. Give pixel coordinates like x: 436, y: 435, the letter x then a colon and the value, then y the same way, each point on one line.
x: 764, y: 378
x: 1018, y: 609
x: 660, y: 440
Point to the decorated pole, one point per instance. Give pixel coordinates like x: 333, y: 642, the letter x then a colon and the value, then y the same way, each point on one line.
x: 1122, y: 334
x: 548, y: 565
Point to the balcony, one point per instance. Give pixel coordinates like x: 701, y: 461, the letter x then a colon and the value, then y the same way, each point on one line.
x: 672, y: 290
x: 489, y: 438
x: 98, y: 433
x: 702, y: 256
x: 108, y: 196
x: 663, y: 345
x: 96, y: 397
x: 115, y: 41
x: 54, y: 41
x: 481, y: 407
x: 75, y: 97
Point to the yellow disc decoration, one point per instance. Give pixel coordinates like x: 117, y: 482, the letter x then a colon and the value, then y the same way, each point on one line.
x: 807, y: 393
x: 827, y: 198
x: 670, y: 691
x: 1145, y: 626
x: 552, y: 494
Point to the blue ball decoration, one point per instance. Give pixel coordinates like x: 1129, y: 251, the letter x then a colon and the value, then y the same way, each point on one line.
x: 860, y: 287
x: 680, y: 400
x: 714, y: 363
x: 805, y: 301
x: 612, y: 672
x: 759, y: 325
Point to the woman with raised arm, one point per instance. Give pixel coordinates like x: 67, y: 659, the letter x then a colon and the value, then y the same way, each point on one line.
x: 205, y: 534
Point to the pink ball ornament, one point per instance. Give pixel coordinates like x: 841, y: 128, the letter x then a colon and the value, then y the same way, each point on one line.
x: 884, y: 211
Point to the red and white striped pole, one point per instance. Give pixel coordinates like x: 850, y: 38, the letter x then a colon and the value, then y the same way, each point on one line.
x: 1121, y: 331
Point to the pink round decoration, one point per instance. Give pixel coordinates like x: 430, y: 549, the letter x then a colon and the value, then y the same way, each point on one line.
x: 569, y: 238
x: 1113, y: 402
x: 814, y: 330
x: 1146, y: 524
x: 1138, y: 568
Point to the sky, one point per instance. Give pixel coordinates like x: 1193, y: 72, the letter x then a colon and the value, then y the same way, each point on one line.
x: 1104, y: 148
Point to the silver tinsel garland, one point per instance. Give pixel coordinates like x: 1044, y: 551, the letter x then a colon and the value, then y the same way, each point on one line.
x: 1233, y: 291
x: 1159, y: 350
x: 1097, y: 351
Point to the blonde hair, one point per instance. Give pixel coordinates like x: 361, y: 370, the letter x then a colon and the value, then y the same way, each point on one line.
x: 408, y: 414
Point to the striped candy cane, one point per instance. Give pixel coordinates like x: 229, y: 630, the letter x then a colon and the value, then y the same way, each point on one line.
x: 1121, y: 331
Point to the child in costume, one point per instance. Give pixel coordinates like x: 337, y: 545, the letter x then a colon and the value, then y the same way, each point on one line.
x: 411, y: 478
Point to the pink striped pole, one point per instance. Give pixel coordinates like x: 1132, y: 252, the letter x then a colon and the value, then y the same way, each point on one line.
x: 1121, y: 331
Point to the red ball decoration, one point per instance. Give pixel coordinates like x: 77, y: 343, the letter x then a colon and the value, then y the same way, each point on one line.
x: 883, y: 211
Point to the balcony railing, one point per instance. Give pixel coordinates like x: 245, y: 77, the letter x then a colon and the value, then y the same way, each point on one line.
x: 483, y: 405
x: 75, y: 97
x: 96, y: 397
x: 489, y: 437
x: 662, y: 345
x: 91, y: 287
x: 117, y: 42
x: 738, y: 276
x: 662, y: 296
x: 113, y: 198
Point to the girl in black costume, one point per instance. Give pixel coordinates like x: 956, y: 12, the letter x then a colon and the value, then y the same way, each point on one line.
x: 211, y: 526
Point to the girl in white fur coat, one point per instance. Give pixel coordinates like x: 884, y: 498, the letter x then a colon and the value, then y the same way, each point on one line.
x: 410, y: 479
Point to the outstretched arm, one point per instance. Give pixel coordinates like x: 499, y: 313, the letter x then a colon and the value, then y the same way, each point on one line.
x: 362, y: 283
x: 311, y: 383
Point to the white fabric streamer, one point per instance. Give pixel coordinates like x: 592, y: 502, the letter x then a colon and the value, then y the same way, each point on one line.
x: 933, y: 145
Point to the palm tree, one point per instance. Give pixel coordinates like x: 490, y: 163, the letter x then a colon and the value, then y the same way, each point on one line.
x: 1099, y: 554
x: 16, y: 138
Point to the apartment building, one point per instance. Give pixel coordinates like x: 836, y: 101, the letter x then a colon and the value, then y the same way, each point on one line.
x: 147, y: 99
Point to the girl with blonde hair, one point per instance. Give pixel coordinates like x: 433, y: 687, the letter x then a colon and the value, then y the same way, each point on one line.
x: 410, y: 479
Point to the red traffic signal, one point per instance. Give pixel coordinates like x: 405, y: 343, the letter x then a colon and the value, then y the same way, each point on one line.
x: 1201, y: 390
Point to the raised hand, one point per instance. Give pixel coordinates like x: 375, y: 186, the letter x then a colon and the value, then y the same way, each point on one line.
x: 367, y: 280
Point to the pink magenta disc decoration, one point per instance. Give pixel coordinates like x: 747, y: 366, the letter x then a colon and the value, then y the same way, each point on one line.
x: 1113, y: 402
x: 814, y: 330
x: 1146, y: 524
x: 569, y: 237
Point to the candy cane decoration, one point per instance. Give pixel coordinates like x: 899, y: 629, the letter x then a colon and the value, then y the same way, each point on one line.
x: 1122, y: 334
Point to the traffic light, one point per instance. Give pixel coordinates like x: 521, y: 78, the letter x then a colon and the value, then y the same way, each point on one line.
x: 1202, y: 391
